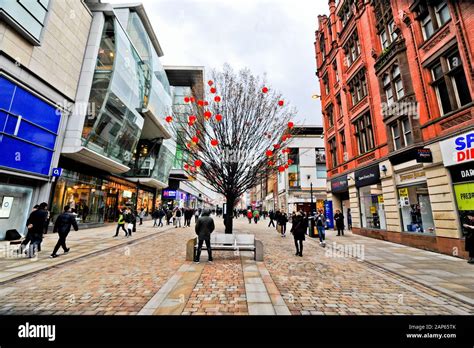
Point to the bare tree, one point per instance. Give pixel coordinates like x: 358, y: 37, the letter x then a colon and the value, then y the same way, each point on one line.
x: 236, y: 135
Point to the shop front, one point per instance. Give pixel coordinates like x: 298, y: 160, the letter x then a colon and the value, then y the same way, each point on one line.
x: 458, y: 157
x: 414, y: 202
x: 340, y: 196
x: 146, y: 199
x: 371, y: 202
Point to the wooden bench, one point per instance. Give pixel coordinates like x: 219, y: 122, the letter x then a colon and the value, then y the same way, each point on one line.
x: 232, y: 242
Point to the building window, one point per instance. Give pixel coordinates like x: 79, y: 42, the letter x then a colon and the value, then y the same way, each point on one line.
x: 333, y: 151
x: 342, y: 138
x: 336, y: 75
x: 322, y: 47
x: 402, y: 134
x: 364, y: 133
x: 432, y: 15
x: 352, y: 49
x: 330, y: 116
x: 393, y: 85
x: 358, y: 87
x: 321, y: 172
x: 326, y: 84
x: 294, y: 169
x: 338, y: 106
x: 385, y: 24
x: 449, y: 83
x: 346, y: 11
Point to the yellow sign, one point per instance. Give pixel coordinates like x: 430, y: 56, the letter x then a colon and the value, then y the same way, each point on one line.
x: 412, y: 176
x: 465, y: 196
x: 373, y: 209
x: 403, y: 192
x: 380, y: 197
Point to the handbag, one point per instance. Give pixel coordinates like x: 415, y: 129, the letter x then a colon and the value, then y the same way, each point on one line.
x: 129, y: 226
x: 279, y: 228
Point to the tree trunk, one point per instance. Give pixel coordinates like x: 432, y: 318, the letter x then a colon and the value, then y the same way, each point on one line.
x: 229, y: 217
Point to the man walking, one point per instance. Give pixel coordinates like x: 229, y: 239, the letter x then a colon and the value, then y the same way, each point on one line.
x: 468, y: 232
x: 204, y: 227
x: 320, y: 223
x: 63, y: 226
x: 272, y: 217
x: 298, y: 229
x: 36, y: 223
x: 339, y: 222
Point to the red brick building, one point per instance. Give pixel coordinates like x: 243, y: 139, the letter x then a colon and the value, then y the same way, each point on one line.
x: 397, y: 87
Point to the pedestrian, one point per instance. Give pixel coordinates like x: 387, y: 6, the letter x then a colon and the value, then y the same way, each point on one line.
x: 161, y: 215
x: 349, y: 219
x: 29, y: 232
x: 298, y: 229
x: 129, y: 218
x: 271, y: 215
x: 142, y: 215
x: 468, y: 232
x: 154, y: 216
x: 85, y: 212
x: 256, y: 216
x: 204, y: 227
x: 249, y: 216
x: 121, y: 224
x: 188, y: 214
x: 282, y: 223
x: 320, y: 225
x: 36, y: 223
x: 177, y: 217
x: 62, y: 226
x: 196, y: 215
x: 169, y: 216
x: 339, y: 222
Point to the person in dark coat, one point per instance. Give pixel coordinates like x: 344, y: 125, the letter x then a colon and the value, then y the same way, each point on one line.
x: 130, y: 219
x: 468, y: 231
x: 154, y: 216
x: 161, y: 215
x: 349, y: 219
x: 63, y: 226
x: 320, y: 225
x: 282, y: 221
x: 339, y: 222
x: 271, y: 215
x: 36, y: 223
x: 204, y: 227
x: 298, y: 229
x: 29, y: 233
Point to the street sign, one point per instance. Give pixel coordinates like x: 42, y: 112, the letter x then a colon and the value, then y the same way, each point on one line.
x: 57, y: 172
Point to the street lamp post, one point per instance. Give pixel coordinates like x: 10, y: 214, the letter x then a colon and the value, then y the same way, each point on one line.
x: 311, y: 232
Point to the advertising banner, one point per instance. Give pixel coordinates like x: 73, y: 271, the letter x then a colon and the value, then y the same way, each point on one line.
x: 458, y: 150
x: 329, y: 214
x: 465, y: 196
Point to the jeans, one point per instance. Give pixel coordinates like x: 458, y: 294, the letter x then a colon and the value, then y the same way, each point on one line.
x: 177, y: 221
x: 283, y: 229
x: 160, y: 223
x: 61, y: 243
x: 321, y: 233
x: 123, y: 228
x: 299, y: 248
x: 208, y: 247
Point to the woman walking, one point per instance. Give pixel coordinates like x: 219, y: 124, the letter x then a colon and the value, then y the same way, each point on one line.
x: 298, y: 229
x: 282, y: 221
x: 320, y: 225
x: 339, y: 222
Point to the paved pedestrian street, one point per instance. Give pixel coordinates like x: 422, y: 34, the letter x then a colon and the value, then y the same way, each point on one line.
x: 148, y: 275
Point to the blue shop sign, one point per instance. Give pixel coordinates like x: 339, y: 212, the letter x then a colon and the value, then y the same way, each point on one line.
x: 28, y: 129
x: 329, y: 214
x: 169, y: 194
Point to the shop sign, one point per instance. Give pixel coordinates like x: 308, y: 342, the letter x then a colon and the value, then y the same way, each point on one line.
x: 127, y: 194
x: 403, y: 194
x: 6, y: 207
x: 463, y: 173
x: 424, y: 156
x: 367, y: 176
x: 411, y: 177
x: 169, y: 194
x: 329, y: 214
x: 465, y: 196
x: 373, y: 209
x: 57, y: 172
x: 339, y: 184
x: 380, y: 198
x: 458, y: 150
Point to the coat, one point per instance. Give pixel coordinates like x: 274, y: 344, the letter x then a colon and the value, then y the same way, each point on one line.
x: 64, y: 222
x: 299, y: 227
x: 339, y: 220
x: 38, y: 219
x: 469, y: 233
x: 204, y: 226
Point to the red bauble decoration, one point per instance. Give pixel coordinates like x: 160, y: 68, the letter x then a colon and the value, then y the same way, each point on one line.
x: 195, y: 139
x: 169, y: 119
x: 207, y: 114
x: 186, y: 99
x: 192, y: 99
x: 269, y: 153
x: 188, y: 145
x: 210, y: 82
x: 291, y: 125
x: 264, y: 90
x: 286, y: 166
x: 190, y: 123
x: 213, y: 90
x: 186, y: 166
x: 206, y: 103
x: 201, y: 102
x: 281, y: 102
x: 276, y: 146
x: 198, y: 163
x: 217, y: 99
x: 214, y: 142
x: 281, y: 169
x: 192, y: 118
x: 270, y: 163
x: 218, y: 117
x: 290, y: 161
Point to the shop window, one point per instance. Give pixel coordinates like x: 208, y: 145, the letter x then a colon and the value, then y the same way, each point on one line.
x: 449, y: 83
x: 372, y: 207
x: 415, y: 209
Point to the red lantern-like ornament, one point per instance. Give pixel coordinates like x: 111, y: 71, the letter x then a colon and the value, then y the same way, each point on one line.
x: 169, y: 119
x: 186, y: 99
x: 281, y: 102
x: 195, y: 139
x: 218, y: 117
x: 290, y: 161
x: 213, y: 90
x: 186, y: 166
x: 207, y: 115
x: 192, y: 99
x: 217, y: 99
x: 291, y: 125
x: 192, y: 118
x: 198, y: 163
x: 269, y: 153
x: 206, y: 103
x: 264, y: 90
x: 200, y: 102
x: 286, y: 166
x: 281, y: 169
x: 270, y: 163
x: 276, y: 146
x: 214, y: 142
x: 210, y: 82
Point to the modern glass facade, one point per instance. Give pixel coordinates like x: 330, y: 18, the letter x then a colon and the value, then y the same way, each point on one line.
x: 181, y: 111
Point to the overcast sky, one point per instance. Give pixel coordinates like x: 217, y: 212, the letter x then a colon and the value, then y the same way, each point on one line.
x: 268, y: 36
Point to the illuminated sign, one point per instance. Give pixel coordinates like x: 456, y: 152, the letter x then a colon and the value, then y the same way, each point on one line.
x: 459, y: 149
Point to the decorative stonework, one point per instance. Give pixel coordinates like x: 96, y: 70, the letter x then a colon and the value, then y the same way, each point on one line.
x: 436, y: 39
x: 457, y: 120
x: 366, y: 159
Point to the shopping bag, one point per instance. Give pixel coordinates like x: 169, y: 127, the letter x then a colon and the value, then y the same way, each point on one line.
x: 129, y: 226
x: 279, y: 228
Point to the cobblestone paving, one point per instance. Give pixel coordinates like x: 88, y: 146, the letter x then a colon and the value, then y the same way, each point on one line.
x: 220, y: 289
x: 116, y: 282
x: 319, y: 284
